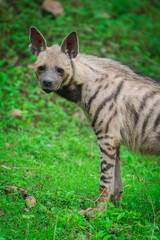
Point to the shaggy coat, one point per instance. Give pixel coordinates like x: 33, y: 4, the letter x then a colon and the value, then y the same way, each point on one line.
x: 122, y: 106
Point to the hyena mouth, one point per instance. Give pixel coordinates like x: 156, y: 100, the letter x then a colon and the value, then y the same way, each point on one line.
x: 47, y: 91
x: 52, y: 89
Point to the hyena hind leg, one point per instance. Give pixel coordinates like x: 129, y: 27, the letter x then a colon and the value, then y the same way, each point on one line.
x: 116, y: 197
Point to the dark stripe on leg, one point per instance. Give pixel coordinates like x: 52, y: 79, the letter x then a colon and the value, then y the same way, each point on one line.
x: 111, y: 156
x: 103, y: 163
x: 99, y: 124
x: 107, y: 144
x: 104, y: 179
x: 104, y: 137
x: 98, y: 132
x: 105, y: 169
x: 110, y: 119
x: 107, y: 125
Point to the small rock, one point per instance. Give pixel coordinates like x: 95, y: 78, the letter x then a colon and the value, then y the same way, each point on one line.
x: 79, y: 163
x: 30, y: 201
x: 1, y: 213
x: 91, y: 175
x: 27, y: 210
x: 7, y: 144
x: 13, y: 189
x: 29, y: 173
x: 16, y: 113
x: 55, y: 8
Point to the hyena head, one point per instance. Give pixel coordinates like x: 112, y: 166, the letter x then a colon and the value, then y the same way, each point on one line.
x: 54, y: 64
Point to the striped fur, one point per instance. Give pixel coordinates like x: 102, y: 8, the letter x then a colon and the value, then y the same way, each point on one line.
x: 122, y: 106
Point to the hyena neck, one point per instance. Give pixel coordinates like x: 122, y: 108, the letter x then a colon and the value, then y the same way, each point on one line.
x: 82, y: 76
x: 72, y: 92
x: 90, y: 73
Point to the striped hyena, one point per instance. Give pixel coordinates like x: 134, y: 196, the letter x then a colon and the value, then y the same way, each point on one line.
x: 122, y: 106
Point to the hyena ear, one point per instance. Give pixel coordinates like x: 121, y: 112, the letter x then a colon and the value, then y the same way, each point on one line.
x: 70, y: 45
x: 38, y: 42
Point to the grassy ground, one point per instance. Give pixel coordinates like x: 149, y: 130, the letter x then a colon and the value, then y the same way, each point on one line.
x: 50, y: 149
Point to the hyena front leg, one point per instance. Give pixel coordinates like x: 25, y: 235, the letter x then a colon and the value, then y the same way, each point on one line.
x: 108, y: 152
x: 116, y: 197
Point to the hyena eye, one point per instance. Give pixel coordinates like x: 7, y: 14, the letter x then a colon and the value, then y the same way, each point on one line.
x: 41, y: 68
x: 60, y: 71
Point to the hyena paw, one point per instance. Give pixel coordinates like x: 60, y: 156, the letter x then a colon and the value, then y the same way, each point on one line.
x: 93, y: 212
x: 87, y: 212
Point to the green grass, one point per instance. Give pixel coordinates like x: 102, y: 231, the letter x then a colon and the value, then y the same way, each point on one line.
x: 52, y: 151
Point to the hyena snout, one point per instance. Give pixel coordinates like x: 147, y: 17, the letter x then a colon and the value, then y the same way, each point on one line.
x: 47, y: 83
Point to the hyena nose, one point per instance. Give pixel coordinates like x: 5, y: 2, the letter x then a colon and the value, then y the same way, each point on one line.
x: 47, y: 83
